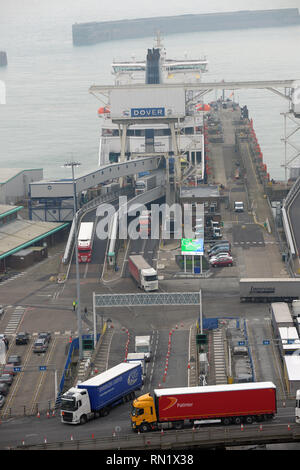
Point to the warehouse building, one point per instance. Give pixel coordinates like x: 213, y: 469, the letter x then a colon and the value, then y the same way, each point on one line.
x: 14, y: 183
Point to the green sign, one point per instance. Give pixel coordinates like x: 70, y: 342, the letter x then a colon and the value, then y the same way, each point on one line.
x: 192, y: 246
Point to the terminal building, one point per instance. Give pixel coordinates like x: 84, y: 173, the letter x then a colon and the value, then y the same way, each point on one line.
x: 18, y: 234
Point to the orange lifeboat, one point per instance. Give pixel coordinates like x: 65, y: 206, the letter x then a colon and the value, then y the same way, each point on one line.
x: 203, y: 107
x: 103, y: 110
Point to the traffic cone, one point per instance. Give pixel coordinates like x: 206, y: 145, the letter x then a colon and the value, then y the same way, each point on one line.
x: 71, y: 437
x: 38, y: 414
x: 242, y: 427
x: 45, y: 440
x: 48, y: 414
x: 114, y: 434
x: 162, y: 431
x: 53, y: 413
x: 289, y: 427
x: 260, y: 427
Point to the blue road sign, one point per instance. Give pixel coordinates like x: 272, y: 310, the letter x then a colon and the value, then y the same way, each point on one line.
x: 17, y: 369
x: 266, y: 342
x: 43, y: 367
x: 242, y: 343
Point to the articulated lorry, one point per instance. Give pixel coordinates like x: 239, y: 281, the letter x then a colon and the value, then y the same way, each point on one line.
x: 175, y: 408
x: 96, y: 396
x: 143, y: 273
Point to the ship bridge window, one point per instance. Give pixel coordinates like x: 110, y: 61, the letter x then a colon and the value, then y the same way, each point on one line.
x: 162, y: 132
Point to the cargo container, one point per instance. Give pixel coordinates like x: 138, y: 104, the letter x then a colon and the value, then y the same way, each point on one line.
x: 176, y: 408
x: 143, y: 273
x: 96, y: 396
x: 269, y: 289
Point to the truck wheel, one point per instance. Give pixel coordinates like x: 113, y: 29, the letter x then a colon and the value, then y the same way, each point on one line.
x: 83, y: 419
x: 237, y: 420
x: 249, y: 420
x: 105, y: 411
x: 144, y: 427
x: 226, y: 421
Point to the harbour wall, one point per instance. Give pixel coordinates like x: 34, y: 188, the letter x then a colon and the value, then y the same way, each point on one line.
x: 94, y: 32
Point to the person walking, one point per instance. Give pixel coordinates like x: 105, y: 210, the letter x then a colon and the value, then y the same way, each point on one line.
x: 74, y: 305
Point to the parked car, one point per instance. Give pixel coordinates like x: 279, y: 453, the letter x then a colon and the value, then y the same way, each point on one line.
x: 47, y: 336
x: 222, y: 261
x: 221, y: 242
x: 14, y: 359
x: 220, y: 249
x: 225, y: 245
x: 22, y: 338
x: 41, y: 345
x: 4, y: 388
x: 2, y: 400
x: 9, y: 369
x: 220, y: 255
x: 6, y: 379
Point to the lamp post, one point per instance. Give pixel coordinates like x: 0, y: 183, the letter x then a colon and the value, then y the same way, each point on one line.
x: 75, y: 165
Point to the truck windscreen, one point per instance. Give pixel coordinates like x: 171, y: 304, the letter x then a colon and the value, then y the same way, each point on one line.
x: 151, y: 278
x: 68, y: 404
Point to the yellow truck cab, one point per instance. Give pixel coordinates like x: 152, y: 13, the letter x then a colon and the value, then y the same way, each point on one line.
x: 143, y: 413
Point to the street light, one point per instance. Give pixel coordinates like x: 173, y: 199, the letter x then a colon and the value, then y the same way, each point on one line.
x: 75, y: 165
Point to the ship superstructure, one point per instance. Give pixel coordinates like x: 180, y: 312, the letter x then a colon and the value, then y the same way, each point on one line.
x: 156, y: 137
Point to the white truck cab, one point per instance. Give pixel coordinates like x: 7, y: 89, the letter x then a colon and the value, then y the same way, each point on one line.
x: 75, y: 404
x: 238, y: 206
x: 149, y: 280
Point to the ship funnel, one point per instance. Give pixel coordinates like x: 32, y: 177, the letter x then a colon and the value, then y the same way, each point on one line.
x: 153, y: 69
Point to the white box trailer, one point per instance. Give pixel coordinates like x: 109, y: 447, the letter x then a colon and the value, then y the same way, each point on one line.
x: 280, y: 316
x: 143, y: 345
x: 269, y: 289
x: 137, y: 357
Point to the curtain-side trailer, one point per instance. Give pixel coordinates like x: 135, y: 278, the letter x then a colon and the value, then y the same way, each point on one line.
x: 177, y: 407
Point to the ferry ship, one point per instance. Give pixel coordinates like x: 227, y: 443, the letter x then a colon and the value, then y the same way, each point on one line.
x: 156, y: 138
